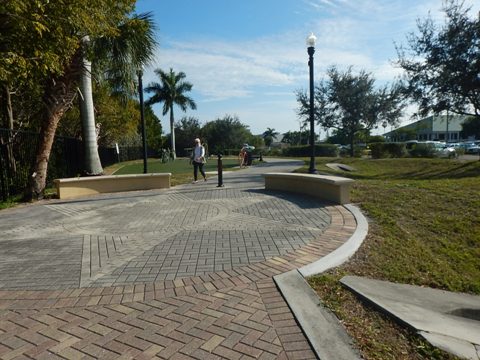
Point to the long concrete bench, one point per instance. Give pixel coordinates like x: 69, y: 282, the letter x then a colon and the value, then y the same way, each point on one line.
x: 76, y: 187
x: 331, y: 188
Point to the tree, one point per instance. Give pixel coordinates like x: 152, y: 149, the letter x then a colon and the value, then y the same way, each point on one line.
x: 92, y: 164
x: 118, y: 120
x: 154, y: 129
x: 186, y: 130
x: 351, y: 104
x: 442, y: 63
x: 171, y: 91
x: 225, y: 133
x: 471, y: 127
x: 255, y: 140
x: 268, y: 136
x: 296, y: 137
x: 119, y: 59
x: 41, y: 44
x: 403, y: 134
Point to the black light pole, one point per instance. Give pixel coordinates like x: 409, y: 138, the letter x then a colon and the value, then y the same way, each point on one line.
x: 311, y: 50
x: 142, y: 118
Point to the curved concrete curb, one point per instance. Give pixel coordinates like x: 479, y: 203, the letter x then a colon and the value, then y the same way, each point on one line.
x: 326, y: 335
x: 344, y: 252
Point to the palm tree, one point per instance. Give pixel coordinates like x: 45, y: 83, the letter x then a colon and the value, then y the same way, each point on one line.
x: 92, y: 164
x: 171, y: 91
x: 119, y: 59
x: 268, y: 136
x: 61, y: 90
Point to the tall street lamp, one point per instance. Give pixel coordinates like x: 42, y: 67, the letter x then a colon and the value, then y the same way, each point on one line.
x: 142, y: 119
x: 311, y: 50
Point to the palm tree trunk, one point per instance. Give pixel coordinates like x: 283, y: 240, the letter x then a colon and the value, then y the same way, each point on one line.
x: 172, y: 133
x: 92, y: 163
x: 351, y: 141
x: 58, y: 98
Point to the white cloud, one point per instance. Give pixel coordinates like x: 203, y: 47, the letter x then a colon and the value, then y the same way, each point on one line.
x: 220, y: 69
x: 359, y: 33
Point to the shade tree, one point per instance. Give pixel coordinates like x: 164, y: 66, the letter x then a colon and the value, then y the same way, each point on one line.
x: 225, y: 133
x: 442, y: 62
x: 351, y: 103
x: 41, y: 49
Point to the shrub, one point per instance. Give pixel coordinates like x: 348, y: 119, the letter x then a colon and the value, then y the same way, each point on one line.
x: 358, y: 151
x: 273, y: 152
x: 325, y: 150
x: 378, y: 150
x: 386, y: 150
x: 396, y: 150
x: 423, y: 150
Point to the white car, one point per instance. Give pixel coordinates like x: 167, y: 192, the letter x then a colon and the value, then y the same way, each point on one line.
x: 444, y: 150
x: 474, y: 149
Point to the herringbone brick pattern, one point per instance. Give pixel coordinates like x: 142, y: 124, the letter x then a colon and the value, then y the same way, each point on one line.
x: 341, y: 228
x: 239, y: 322
x: 232, y: 311
x: 237, y: 314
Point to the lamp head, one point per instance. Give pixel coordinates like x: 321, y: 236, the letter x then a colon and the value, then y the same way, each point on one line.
x: 311, y: 39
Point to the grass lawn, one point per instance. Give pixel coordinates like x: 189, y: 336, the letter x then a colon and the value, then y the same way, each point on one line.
x: 424, y: 230
x: 182, y: 171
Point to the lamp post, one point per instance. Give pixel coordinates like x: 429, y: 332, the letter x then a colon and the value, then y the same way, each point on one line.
x: 447, y: 135
x: 311, y: 50
x: 142, y: 119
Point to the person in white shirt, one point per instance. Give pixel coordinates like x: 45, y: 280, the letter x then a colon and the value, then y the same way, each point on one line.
x: 198, y: 160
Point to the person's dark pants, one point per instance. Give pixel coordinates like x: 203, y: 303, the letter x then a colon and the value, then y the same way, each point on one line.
x: 197, y: 166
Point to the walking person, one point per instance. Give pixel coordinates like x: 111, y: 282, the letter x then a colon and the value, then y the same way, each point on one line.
x: 198, y: 160
x: 241, y: 157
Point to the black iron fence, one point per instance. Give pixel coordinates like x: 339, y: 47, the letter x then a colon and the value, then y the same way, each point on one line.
x: 17, y: 157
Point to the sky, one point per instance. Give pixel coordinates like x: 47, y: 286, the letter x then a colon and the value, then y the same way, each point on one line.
x: 248, y: 57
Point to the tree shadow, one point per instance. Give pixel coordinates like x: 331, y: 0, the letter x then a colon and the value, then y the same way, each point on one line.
x: 299, y: 200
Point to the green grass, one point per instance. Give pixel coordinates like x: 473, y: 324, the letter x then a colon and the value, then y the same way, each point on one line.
x: 11, y: 202
x: 426, y: 216
x: 181, y: 169
x: 424, y: 230
x: 179, y: 166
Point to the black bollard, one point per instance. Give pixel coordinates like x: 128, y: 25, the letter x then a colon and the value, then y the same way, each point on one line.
x: 220, y: 171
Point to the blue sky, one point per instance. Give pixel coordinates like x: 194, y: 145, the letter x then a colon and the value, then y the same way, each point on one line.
x: 248, y: 57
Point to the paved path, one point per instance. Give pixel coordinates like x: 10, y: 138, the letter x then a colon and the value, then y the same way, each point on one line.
x: 173, y: 274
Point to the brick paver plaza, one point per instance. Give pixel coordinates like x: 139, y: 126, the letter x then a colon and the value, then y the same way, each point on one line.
x: 184, y: 273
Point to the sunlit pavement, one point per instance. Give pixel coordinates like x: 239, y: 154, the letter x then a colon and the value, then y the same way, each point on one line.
x: 179, y: 273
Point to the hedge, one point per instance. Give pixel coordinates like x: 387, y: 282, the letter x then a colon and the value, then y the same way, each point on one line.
x: 387, y: 150
x: 325, y: 150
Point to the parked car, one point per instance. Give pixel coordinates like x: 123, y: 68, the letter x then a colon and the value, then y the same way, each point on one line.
x: 444, y: 150
x: 473, y: 149
x: 431, y: 148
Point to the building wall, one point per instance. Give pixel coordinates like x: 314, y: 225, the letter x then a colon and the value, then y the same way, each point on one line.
x: 431, y: 128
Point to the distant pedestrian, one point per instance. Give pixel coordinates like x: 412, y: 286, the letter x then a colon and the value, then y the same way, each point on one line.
x: 241, y: 157
x: 198, y: 160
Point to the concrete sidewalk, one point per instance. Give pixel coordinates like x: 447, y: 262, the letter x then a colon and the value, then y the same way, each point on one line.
x: 174, y: 274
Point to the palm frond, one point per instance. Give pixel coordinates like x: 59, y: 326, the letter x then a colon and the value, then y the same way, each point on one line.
x: 123, y: 55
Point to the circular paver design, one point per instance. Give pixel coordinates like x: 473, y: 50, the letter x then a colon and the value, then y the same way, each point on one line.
x: 75, y: 248
x: 155, y: 236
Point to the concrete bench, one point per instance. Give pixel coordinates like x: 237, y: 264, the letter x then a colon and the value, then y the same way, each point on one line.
x: 76, y: 187
x: 331, y: 188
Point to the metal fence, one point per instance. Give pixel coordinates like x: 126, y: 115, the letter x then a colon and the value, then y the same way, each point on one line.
x: 17, y: 157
